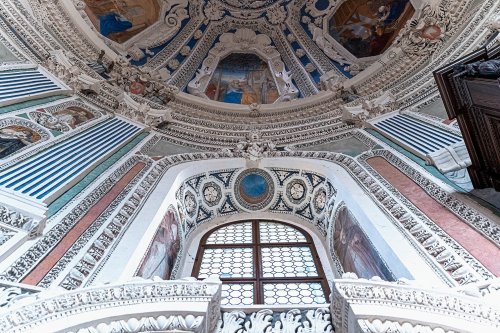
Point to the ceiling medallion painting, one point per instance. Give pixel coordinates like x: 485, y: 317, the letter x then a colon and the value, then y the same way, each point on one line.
x: 242, y: 79
x: 263, y: 80
x: 368, y: 28
x: 254, y: 189
x: 121, y: 20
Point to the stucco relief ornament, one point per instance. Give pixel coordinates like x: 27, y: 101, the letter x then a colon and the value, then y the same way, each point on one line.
x: 423, y: 35
x: 255, y: 147
x: 331, y: 81
x: 276, y: 15
x: 325, y: 45
x: 49, y: 121
x: 213, y: 11
x: 494, y: 25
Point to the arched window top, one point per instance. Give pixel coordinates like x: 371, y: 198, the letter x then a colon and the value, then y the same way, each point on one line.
x: 263, y: 262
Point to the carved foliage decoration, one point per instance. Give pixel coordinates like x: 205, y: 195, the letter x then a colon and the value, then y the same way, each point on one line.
x: 306, y: 321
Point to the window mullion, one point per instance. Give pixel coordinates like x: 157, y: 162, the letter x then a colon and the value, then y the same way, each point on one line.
x: 259, y: 297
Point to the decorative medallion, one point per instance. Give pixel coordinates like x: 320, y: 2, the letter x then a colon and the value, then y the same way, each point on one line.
x: 254, y: 189
x: 319, y: 200
x: 190, y: 203
x: 431, y: 32
x: 296, y: 191
x: 137, y: 88
x: 212, y: 193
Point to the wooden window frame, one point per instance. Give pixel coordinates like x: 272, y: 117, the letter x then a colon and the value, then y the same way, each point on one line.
x: 258, y: 280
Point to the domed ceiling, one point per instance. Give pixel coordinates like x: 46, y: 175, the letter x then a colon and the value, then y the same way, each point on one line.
x: 249, y: 52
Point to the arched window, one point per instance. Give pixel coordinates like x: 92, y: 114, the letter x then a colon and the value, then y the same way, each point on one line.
x: 262, y: 262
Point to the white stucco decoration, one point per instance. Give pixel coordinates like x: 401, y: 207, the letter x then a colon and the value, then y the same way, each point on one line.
x: 245, y: 41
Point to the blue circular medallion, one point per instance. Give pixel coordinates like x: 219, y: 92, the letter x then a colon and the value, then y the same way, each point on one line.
x: 254, y: 189
x: 254, y: 185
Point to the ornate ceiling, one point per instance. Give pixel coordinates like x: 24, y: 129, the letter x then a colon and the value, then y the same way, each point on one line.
x: 173, y: 65
x: 187, y: 39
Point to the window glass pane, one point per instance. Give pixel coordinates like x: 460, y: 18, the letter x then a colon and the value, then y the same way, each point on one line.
x: 294, y: 261
x: 237, y: 294
x: 240, y: 233
x: 294, y: 293
x: 227, y: 263
x: 279, y: 233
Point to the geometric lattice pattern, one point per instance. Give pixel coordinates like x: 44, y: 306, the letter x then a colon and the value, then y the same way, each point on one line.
x: 271, y: 232
x: 237, y: 294
x: 249, y: 265
x: 227, y: 263
x: 293, y: 293
x: 288, y: 262
x: 239, y: 233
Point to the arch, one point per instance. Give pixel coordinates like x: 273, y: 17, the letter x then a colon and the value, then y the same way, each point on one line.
x: 17, y: 135
x: 263, y: 261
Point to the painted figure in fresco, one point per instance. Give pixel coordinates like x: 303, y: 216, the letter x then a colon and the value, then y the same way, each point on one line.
x: 73, y: 116
x: 14, y: 138
x: 163, y: 252
x: 370, y: 26
x: 121, y: 20
x: 242, y: 79
x: 354, y: 250
x: 113, y: 22
x: 234, y: 93
x: 249, y: 95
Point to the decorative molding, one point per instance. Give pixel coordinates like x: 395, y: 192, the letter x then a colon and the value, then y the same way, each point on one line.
x: 372, y: 304
x: 304, y: 321
x: 74, y: 309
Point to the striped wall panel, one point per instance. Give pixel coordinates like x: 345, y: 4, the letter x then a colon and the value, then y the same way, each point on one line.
x: 42, y: 175
x: 18, y: 84
x: 422, y: 137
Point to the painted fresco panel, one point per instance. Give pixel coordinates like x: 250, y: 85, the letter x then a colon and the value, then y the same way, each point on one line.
x: 161, y: 256
x: 368, y: 28
x: 14, y: 138
x: 355, y: 251
x: 242, y: 79
x: 73, y: 116
x: 121, y: 20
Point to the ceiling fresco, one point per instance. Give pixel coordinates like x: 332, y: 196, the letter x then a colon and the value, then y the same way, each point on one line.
x: 307, y: 40
x: 243, y: 79
x: 121, y: 20
x: 367, y: 28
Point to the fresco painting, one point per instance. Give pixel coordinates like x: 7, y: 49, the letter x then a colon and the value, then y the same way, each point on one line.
x: 161, y: 256
x: 14, y: 138
x: 73, y: 116
x: 355, y: 251
x: 242, y: 79
x: 368, y: 28
x: 121, y: 20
